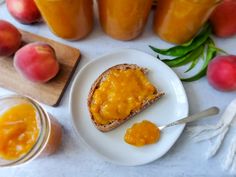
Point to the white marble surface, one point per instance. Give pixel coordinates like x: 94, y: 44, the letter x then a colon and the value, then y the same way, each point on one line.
x: 185, y: 159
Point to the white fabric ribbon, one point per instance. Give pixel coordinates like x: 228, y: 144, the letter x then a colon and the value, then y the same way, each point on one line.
x: 219, y: 131
x: 230, y: 160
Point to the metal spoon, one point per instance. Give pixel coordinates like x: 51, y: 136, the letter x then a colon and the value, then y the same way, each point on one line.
x: 208, y: 112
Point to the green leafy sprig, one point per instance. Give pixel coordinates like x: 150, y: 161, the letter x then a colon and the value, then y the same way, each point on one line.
x: 200, y: 46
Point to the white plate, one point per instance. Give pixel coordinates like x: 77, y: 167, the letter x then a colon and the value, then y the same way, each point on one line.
x: 110, y: 145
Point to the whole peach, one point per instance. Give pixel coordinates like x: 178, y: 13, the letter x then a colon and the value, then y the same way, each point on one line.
x: 25, y: 11
x: 221, y: 73
x: 37, y: 62
x: 10, y: 38
x: 223, y: 19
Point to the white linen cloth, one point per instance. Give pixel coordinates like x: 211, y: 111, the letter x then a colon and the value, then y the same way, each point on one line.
x: 218, y: 133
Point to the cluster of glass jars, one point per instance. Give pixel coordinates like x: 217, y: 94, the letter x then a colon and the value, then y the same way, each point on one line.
x: 175, y: 21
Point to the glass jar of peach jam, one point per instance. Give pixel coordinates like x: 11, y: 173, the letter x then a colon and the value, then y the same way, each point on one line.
x: 177, y: 21
x: 123, y: 19
x: 68, y: 19
x: 26, y: 131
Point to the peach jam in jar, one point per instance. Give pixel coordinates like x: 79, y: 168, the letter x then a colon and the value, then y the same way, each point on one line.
x: 26, y: 131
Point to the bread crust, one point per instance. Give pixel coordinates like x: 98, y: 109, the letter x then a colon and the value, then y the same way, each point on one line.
x: 116, y: 123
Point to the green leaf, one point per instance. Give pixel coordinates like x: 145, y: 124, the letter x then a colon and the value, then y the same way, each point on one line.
x: 192, y: 65
x: 175, y: 62
x: 195, y: 54
x: 180, y: 61
x: 211, y: 53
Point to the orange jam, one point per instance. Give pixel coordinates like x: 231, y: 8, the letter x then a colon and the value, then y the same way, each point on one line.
x: 19, y: 131
x: 142, y: 133
x: 122, y: 92
x: 68, y: 19
x: 123, y: 19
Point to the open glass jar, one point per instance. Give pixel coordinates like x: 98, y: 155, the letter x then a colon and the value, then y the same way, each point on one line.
x: 177, y: 21
x: 27, y: 131
x: 68, y: 19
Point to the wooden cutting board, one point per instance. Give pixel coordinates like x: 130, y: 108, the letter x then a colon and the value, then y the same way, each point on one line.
x: 51, y: 92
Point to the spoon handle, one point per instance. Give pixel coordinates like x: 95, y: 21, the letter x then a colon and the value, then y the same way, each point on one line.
x: 208, y: 112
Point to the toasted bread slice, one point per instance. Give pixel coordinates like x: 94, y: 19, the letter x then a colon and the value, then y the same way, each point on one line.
x: 115, y: 123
